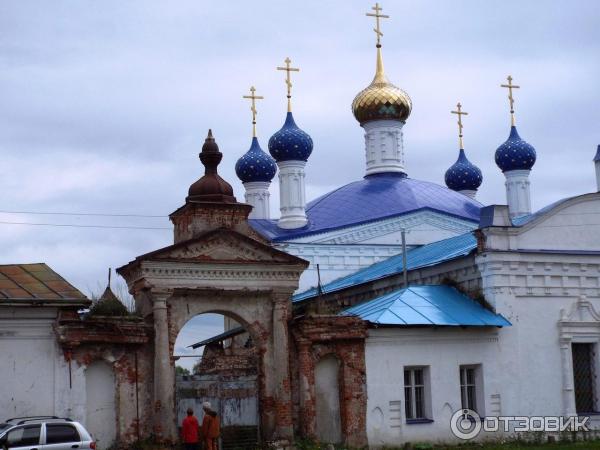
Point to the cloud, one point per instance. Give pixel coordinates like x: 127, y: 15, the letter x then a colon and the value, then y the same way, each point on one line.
x: 105, y: 105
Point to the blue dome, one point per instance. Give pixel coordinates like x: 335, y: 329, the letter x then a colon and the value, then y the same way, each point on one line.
x: 375, y: 197
x: 463, y: 175
x: 290, y: 143
x: 515, y: 153
x: 255, y: 165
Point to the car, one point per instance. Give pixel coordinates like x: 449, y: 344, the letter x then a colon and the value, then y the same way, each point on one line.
x: 44, y: 433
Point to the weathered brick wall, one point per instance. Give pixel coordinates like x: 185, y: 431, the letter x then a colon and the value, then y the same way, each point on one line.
x: 126, y: 345
x: 315, y: 337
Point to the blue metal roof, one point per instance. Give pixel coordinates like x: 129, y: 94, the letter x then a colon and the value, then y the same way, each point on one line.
x: 436, y: 305
x: 426, y: 255
x: 375, y: 197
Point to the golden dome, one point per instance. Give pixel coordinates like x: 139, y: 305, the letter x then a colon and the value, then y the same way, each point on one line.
x: 381, y: 99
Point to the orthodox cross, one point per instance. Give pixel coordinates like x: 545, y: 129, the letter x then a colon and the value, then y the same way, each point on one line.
x: 460, y: 113
x: 511, y: 99
x: 288, y: 80
x: 253, y: 107
x: 377, y: 16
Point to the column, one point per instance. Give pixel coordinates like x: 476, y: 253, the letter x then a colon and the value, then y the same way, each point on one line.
x: 281, y: 354
x: 257, y: 194
x: 518, y: 195
x: 567, y: 377
x: 292, y: 201
x: 164, y: 372
x: 384, y: 147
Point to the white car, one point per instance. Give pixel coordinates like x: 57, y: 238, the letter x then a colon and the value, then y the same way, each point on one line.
x: 44, y: 433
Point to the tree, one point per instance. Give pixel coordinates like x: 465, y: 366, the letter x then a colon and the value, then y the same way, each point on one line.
x: 181, y: 371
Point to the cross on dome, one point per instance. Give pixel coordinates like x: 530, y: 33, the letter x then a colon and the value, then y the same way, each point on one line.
x: 377, y: 16
x: 253, y: 98
x: 511, y: 99
x: 288, y: 80
x: 460, y: 113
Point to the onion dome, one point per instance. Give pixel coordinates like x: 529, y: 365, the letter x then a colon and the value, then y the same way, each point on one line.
x: 463, y: 175
x: 211, y: 187
x: 515, y: 153
x: 381, y: 100
x: 290, y: 143
x: 255, y: 165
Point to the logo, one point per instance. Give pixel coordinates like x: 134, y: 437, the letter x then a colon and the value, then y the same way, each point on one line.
x: 466, y: 424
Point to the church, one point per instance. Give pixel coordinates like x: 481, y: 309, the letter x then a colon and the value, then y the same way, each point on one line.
x: 370, y: 316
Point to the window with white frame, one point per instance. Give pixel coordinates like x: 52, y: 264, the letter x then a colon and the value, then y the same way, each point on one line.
x: 584, y: 376
x: 468, y: 387
x: 415, y: 393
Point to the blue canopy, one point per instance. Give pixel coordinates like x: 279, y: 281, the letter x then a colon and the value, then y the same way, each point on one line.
x: 434, y: 305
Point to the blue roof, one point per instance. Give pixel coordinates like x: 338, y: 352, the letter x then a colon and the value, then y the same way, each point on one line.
x: 515, y: 153
x: 290, y: 143
x: 597, y: 157
x: 375, y: 197
x: 255, y: 165
x: 463, y: 174
x: 436, y: 305
x: 426, y: 255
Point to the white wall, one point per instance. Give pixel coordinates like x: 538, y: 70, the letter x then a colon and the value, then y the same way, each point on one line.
x: 100, y: 399
x: 34, y: 375
x: 442, y: 351
x: 327, y: 399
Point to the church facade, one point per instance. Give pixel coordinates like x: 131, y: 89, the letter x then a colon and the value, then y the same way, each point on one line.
x: 429, y: 305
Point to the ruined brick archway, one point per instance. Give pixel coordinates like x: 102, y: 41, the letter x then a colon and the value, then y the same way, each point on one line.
x: 218, y: 263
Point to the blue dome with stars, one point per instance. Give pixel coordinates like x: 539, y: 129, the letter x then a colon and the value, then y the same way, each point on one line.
x: 255, y: 165
x: 290, y: 143
x: 463, y: 175
x: 515, y: 153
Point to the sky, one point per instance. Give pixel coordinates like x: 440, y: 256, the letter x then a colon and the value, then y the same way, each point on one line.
x: 104, y: 106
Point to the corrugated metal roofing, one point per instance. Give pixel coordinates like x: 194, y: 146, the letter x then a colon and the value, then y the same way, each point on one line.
x: 219, y: 337
x: 426, y: 255
x: 435, y: 305
x: 35, y: 282
x: 375, y: 197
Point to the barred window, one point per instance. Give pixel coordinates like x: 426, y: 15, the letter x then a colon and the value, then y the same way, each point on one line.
x: 468, y: 387
x: 414, y: 393
x: 584, y: 356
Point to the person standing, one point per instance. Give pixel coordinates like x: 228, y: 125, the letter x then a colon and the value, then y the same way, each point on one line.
x: 211, y: 428
x: 189, y: 431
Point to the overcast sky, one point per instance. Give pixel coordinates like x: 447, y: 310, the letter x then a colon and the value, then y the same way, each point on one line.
x: 104, y: 106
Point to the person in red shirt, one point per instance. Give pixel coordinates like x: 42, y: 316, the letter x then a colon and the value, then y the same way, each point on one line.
x: 189, y: 431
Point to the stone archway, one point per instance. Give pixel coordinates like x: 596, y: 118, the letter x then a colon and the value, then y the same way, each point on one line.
x: 218, y: 263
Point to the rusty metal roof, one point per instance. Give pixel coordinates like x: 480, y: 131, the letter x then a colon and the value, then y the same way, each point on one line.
x: 39, y: 282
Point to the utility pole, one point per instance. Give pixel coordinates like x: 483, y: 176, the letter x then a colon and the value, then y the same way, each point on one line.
x: 404, y: 272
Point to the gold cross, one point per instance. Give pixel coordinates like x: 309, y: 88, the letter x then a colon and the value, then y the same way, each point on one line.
x: 288, y: 80
x: 511, y: 99
x: 460, y: 113
x: 377, y: 16
x: 253, y: 107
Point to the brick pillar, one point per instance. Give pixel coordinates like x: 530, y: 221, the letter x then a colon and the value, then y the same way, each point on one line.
x: 307, y: 390
x: 281, y: 369
x: 164, y: 373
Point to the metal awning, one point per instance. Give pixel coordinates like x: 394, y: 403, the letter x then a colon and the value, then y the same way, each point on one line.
x: 433, y: 305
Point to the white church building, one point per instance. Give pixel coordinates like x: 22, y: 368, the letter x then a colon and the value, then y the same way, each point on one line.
x: 502, y: 310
